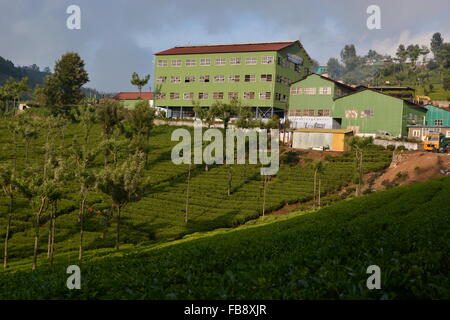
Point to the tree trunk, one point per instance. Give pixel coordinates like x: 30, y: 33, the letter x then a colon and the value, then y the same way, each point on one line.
x: 319, y: 192
x: 230, y: 180
x: 118, y: 228
x: 52, y: 244
x: 187, y: 195
x: 264, y: 196
x: 36, y: 233
x: 27, y: 144
x: 8, y: 228
x: 314, y: 196
x: 81, y: 212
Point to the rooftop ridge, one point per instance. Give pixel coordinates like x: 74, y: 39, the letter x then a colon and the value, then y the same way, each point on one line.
x: 233, y: 44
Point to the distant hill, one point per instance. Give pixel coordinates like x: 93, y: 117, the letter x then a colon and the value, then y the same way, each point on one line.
x: 33, y: 72
x: 36, y: 76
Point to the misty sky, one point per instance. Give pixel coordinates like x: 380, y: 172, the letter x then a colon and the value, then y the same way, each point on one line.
x: 118, y: 37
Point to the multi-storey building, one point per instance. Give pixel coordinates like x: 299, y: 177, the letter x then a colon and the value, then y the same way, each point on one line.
x: 320, y: 102
x: 258, y: 74
x: 311, y: 102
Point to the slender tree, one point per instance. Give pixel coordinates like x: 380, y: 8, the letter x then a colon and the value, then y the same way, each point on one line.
x: 109, y: 114
x: 84, y: 155
x: 122, y: 184
x: 138, y: 82
x: 8, y: 185
x: 28, y: 131
x: 359, y: 145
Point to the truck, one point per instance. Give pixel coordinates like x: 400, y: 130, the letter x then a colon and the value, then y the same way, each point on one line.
x: 436, y: 142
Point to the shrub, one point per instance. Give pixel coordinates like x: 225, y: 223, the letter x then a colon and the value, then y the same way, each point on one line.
x: 391, y: 147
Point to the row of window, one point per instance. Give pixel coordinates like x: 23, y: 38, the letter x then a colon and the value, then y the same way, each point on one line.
x: 425, y: 131
x: 310, y: 113
x: 353, y: 114
x: 215, y: 95
x: 288, y: 64
x: 217, y: 78
x: 217, y: 61
x: 311, y: 91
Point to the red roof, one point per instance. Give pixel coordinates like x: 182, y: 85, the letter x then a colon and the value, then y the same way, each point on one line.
x: 225, y: 48
x: 133, y: 96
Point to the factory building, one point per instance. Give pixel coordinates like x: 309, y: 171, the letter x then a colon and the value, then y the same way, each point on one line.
x: 257, y: 74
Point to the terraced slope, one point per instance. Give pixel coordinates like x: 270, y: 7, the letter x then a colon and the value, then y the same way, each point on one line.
x: 319, y: 255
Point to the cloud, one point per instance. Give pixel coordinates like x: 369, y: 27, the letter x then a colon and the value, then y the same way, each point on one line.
x: 119, y: 37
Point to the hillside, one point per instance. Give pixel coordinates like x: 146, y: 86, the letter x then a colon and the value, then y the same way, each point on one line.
x: 320, y: 255
x: 34, y: 74
x: 159, y: 215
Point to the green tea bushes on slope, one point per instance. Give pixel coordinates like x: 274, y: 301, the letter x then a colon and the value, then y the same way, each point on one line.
x: 321, y: 255
x: 159, y: 215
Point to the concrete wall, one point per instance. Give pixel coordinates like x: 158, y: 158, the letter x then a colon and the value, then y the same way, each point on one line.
x: 407, y: 145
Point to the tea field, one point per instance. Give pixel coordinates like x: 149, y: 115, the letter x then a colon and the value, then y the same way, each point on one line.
x: 317, y: 255
x: 159, y: 215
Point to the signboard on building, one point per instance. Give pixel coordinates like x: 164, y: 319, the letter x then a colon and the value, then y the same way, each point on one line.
x: 294, y: 59
x: 313, y: 122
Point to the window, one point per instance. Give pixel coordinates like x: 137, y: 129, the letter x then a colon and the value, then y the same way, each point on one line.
x: 205, y: 62
x: 296, y: 91
x: 438, y: 122
x: 189, y: 79
x: 218, y: 95
x: 264, y: 95
x: 203, y: 95
x: 416, y: 133
x: 190, y: 62
x: 267, y: 60
x: 219, y: 78
x: 174, y: 96
x: 233, y: 95
x: 325, y: 90
x: 250, y: 60
x: 188, y: 96
x: 309, y: 91
x: 203, y: 79
x: 235, y: 61
x: 175, y: 79
x: 278, y: 96
x: 351, y: 114
x: 309, y: 113
x: 295, y: 113
x: 283, y: 80
x: 266, y: 77
x: 250, y: 78
x: 448, y: 134
x: 323, y: 113
x: 161, y: 79
x: 161, y: 96
x: 367, y: 114
x: 162, y: 63
x: 221, y: 61
x: 249, y: 95
x: 176, y: 63
x: 234, y: 78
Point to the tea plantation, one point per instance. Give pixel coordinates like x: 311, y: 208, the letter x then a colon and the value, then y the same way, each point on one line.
x: 159, y: 215
x: 318, y: 255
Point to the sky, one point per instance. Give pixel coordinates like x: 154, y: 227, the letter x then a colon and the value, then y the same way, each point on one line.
x: 119, y: 37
